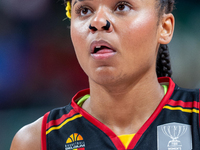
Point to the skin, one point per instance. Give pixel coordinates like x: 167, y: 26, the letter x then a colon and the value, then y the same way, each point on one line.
x: 119, y: 82
x: 126, y: 81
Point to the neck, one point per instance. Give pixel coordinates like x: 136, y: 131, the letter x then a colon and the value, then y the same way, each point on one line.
x: 124, y: 109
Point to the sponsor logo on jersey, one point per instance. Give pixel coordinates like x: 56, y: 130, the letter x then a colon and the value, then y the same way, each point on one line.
x: 75, y: 142
x: 174, y: 136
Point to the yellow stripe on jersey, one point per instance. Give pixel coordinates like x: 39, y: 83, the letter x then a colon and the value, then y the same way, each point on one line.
x: 61, y: 125
x: 182, y: 109
x: 126, y: 139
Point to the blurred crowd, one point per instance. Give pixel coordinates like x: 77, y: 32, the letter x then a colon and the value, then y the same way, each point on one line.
x: 37, y: 61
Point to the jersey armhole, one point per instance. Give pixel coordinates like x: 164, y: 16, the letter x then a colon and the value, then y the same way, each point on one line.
x: 199, y: 109
x: 43, y: 132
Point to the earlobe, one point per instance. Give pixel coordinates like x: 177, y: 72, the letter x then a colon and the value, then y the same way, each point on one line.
x: 167, y: 28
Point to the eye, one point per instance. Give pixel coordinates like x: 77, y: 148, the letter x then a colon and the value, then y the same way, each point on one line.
x: 83, y: 11
x: 123, y: 6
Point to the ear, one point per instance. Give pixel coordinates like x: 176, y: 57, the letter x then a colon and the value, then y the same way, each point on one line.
x: 167, y: 24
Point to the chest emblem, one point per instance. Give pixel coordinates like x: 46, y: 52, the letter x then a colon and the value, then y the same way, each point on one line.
x: 75, y: 142
x: 174, y: 136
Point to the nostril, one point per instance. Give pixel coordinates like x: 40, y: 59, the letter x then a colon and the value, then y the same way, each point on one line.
x: 107, y: 26
x: 92, y: 28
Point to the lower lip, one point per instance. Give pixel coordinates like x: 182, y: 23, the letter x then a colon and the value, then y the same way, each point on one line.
x: 103, y: 54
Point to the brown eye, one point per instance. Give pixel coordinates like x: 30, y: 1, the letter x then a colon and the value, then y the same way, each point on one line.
x: 123, y: 6
x: 84, y: 11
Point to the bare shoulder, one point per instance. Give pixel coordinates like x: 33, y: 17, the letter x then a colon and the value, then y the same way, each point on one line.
x: 28, y: 137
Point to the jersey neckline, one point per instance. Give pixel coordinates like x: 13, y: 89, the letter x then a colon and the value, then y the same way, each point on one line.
x: 114, y: 138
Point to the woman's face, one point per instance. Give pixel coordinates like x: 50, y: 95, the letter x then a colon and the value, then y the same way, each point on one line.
x: 123, y: 53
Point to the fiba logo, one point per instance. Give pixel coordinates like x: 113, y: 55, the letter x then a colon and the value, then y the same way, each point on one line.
x: 174, y: 132
x: 75, y: 142
x: 174, y: 136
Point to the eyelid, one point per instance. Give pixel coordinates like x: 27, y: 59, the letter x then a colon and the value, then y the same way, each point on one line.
x: 124, y: 3
x: 81, y: 7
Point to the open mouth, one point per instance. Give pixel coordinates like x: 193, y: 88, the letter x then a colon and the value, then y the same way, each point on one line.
x: 99, y: 49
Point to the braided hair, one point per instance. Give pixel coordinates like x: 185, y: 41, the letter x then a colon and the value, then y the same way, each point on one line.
x: 163, y: 64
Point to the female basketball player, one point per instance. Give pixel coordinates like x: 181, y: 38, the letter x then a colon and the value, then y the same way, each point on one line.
x: 121, y: 46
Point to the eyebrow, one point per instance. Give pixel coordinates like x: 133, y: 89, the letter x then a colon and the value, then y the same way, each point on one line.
x: 79, y: 1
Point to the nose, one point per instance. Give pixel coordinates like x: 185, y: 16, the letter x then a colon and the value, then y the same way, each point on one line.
x: 100, y: 22
x: 106, y: 27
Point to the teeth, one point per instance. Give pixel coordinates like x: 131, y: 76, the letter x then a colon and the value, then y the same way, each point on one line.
x: 98, y: 46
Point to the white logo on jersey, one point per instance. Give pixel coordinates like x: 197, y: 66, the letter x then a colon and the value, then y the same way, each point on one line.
x: 174, y: 136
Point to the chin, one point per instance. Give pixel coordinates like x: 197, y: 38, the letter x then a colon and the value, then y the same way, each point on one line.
x: 107, y: 80
x: 105, y: 75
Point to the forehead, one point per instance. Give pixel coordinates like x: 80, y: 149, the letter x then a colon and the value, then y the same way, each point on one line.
x: 136, y: 3
x: 75, y: 1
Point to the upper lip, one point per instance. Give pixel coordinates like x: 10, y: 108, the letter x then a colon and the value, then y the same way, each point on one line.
x: 95, y: 44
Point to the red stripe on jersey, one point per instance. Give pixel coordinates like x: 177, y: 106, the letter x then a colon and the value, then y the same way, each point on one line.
x: 60, y: 120
x: 118, y: 144
x: 156, y: 112
x: 43, y: 132
x: 81, y: 149
x: 199, y: 108
x: 184, y: 104
x: 114, y: 138
x: 65, y: 116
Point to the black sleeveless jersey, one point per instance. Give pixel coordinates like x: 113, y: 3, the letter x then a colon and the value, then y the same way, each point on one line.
x: 174, y: 125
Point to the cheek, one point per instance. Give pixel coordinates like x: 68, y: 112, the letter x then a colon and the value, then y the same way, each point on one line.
x: 78, y: 30
x: 140, y: 39
x: 141, y: 32
x: 144, y: 28
x: 78, y: 37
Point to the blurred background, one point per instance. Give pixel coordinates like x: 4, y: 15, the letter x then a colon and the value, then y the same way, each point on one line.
x: 38, y: 66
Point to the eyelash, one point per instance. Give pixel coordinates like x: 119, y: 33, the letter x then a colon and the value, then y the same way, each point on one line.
x: 123, y: 3
x: 80, y: 8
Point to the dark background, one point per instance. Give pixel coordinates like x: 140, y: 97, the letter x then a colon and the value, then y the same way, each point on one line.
x: 38, y: 66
